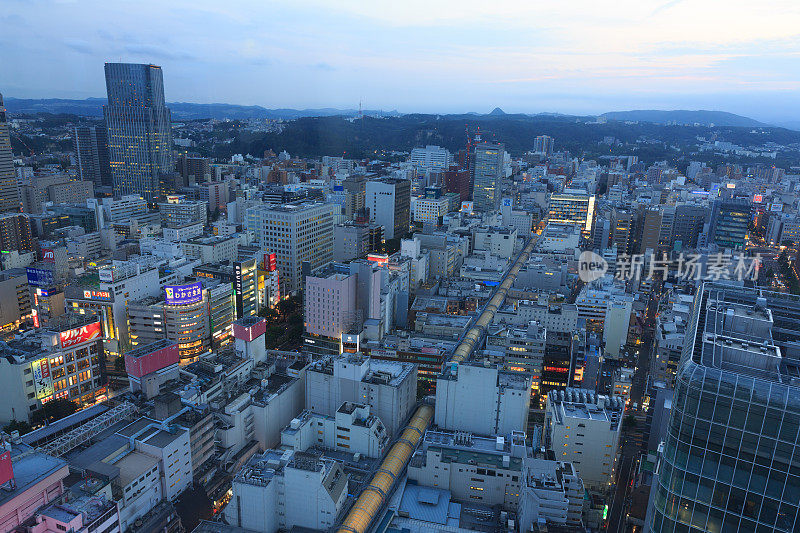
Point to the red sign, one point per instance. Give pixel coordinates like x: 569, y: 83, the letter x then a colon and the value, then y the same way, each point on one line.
x: 758, y: 198
x: 85, y: 333
x: 6, y: 470
x: 147, y: 363
x: 272, y: 262
x: 45, y: 368
x: 249, y: 333
x: 48, y: 255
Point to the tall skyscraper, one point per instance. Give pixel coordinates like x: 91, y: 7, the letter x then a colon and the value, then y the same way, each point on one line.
x: 91, y: 152
x: 729, y: 222
x: 731, y: 456
x: 543, y: 145
x: 487, y: 176
x: 139, y: 129
x: 9, y: 194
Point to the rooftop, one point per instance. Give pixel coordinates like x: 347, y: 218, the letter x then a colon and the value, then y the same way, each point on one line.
x: 30, y: 468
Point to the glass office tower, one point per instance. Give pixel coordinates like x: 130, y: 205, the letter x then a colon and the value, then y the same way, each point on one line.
x: 487, y: 176
x: 731, y: 459
x: 139, y: 129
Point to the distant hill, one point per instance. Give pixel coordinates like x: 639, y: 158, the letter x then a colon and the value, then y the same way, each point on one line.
x: 93, y: 107
x: 704, y: 118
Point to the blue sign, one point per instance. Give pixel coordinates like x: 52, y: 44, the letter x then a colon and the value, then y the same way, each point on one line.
x: 39, y: 277
x: 183, y: 294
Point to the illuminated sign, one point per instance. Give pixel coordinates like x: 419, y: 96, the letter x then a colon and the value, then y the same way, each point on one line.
x: 39, y: 277
x: 48, y: 255
x: 106, y: 274
x: 184, y: 294
x: 272, y: 262
x: 758, y: 198
x: 86, y: 333
x: 97, y: 295
x: 378, y: 258
x: 42, y: 379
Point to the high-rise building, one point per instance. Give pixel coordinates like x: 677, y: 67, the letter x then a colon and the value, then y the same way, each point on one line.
x: 139, y: 129
x: 572, y: 207
x: 294, y: 233
x: 91, y: 152
x: 487, y: 176
x: 431, y: 158
x: 9, y: 195
x: 15, y: 233
x: 731, y: 455
x: 389, y: 203
x: 729, y: 222
x: 543, y: 145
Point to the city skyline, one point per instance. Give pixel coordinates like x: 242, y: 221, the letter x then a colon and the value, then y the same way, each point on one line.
x: 575, y: 58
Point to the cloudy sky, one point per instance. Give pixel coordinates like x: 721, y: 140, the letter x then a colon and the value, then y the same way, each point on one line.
x: 570, y: 56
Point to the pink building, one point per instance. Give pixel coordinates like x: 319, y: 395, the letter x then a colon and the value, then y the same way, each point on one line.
x: 330, y: 307
x: 32, y: 481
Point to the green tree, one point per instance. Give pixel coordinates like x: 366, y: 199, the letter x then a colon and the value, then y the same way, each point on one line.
x: 14, y: 425
x: 53, y: 410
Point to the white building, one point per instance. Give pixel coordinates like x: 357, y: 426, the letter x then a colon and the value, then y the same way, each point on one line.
x: 559, y: 238
x: 496, y: 240
x: 354, y: 429
x: 389, y: 203
x: 390, y: 388
x: 431, y: 210
x: 294, y: 233
x: 482, y: 400
x: 487, y: 470
x: 552, y: 491
x: 617, y: 321
x: 330, y: 304
x: 431, y: 158
x: 214, y: 249
x: 583, y: 428
x: 278, y: 491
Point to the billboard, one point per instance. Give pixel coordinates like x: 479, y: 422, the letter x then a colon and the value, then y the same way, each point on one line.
x: 152, y: 362
x: 48, y: 255
x: 183, y: 294
x: 272, y: 262
x: 42, y: 379
x: 86, y: 333
x: 381, y: 259
x: 98, y: 295
x: 248, y: 333
x: 6, y: 470
x: 39, y: 277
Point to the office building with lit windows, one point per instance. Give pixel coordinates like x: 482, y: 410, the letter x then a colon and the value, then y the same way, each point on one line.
x: 730, y: 460
x: 487, y: 176
x: 572, y: 207
x: 61, y: 361
x: 139, y: 129
x: 295, y: 233
x: 9, y: 193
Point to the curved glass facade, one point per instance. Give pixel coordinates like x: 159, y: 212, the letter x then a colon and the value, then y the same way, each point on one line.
x: 731, y: 460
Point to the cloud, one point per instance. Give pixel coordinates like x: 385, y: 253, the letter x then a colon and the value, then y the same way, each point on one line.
x: 79, y: 45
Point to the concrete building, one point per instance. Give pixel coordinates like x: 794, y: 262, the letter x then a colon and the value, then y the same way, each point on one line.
x: 559, y: 238
x: 431, y: 158
x: 282, y: 490
x: 179, y: 211
x: 243, y: 276
x: 474, y: 468
x: 15, y: 298
x: 390, y: 388
x: 294, y: 233
x: 352, y: 240
x: 38, y: 479
x: 15, y: 232
x: 552, y: 492
x: 389, y: 203
x: 213, y: 249
x: 354, y: 429
x: 583, y: 428
x: 330, y: 304
x: 482, y: 399
x: 572, y: 207
x: 61, y: 361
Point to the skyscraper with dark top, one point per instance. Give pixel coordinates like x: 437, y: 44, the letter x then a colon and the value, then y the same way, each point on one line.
x: 9, y: 194
x: 139, y: 130
x: 91, y: 152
